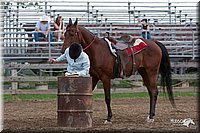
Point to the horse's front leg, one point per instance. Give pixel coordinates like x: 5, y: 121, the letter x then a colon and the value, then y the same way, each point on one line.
x: 106, y: 86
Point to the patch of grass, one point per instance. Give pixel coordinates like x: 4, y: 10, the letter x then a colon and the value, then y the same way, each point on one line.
x: 29, y: 97
x: 193, y: 82
x: 96, y: 96
x: 143, y: 95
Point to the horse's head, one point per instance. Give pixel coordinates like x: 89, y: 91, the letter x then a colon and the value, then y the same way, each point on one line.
x: 77, y: 34
x: 71, y: 35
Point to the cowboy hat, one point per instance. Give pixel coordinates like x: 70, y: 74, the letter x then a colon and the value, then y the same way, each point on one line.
x: 44, y: 18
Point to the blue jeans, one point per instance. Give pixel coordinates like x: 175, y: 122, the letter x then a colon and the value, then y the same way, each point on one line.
x: 37, y: 35
x: 148, y: 36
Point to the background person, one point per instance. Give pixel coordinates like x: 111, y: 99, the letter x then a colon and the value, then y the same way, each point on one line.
x: 145, y: 29
x: 42, y: 29
x: 59, y: 28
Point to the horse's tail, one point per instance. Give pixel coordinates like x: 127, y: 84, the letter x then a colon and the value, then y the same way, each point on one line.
x: 165, y: 71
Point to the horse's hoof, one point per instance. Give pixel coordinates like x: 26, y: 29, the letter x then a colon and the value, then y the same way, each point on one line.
x: 107, y: 122
x: 149, y: 120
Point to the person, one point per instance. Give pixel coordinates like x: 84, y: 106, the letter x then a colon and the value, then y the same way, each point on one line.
x: 145, y: 29
x: 42, y: 29
x: 59, y: 28
x: 78, y: 60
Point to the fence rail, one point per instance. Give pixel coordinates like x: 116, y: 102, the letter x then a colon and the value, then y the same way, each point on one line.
x: 54, y: 78
x: 15, y: 65
x: 15, y: 73
x: 18, y: 67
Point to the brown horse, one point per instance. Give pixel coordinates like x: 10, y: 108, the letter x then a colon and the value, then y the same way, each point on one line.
x: 148, y: 63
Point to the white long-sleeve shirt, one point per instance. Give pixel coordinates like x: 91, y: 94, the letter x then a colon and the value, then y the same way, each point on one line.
x: 81, y: 66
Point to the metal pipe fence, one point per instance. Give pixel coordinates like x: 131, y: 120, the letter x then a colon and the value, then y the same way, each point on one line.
x: 174, y: 24
x: 90, y: 11
x: 180, y: 44
x: 17, y: 68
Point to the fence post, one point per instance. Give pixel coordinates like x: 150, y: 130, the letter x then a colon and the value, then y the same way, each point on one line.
x: 88, y: 10
x: 129, y: 13
x: 111, y: 29
x: 193, y: 45
x: 169, y: 12
x: 146, y: 34
x: 49, y: 42
x: 14, y: 84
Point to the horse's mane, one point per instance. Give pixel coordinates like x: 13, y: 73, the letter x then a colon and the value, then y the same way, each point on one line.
x: 82, y: 27
x: 113, y: 40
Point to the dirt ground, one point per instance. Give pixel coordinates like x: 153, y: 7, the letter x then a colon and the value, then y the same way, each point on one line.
x: 129, y: 115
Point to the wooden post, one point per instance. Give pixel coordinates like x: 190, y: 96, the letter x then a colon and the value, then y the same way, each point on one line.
x: 14, y: 83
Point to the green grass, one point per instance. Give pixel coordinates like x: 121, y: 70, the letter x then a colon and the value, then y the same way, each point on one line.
x: 142, y: 95
x: 29, y: 97
x: 122, y: 95
x: 96, y: 96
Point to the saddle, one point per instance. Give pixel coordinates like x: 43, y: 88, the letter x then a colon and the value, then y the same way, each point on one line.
x: 124, y: 48
x: 122, y: 51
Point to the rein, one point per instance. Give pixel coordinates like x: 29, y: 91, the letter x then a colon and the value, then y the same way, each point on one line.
x: 90, y: 43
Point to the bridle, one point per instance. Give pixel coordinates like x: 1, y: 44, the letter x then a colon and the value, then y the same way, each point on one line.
x: 90, y: 43
x: 81, y: 39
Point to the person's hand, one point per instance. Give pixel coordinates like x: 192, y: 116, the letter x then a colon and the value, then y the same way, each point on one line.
x: 67, y: 74
x: 52, y: 60
x: 75, y: 73
x: 45, y: 33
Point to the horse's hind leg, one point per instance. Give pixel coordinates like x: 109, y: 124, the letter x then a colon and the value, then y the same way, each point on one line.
x: 150, y: 79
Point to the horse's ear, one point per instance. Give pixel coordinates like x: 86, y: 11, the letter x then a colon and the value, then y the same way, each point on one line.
x: 70, y: 21
x: 76, y: 22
